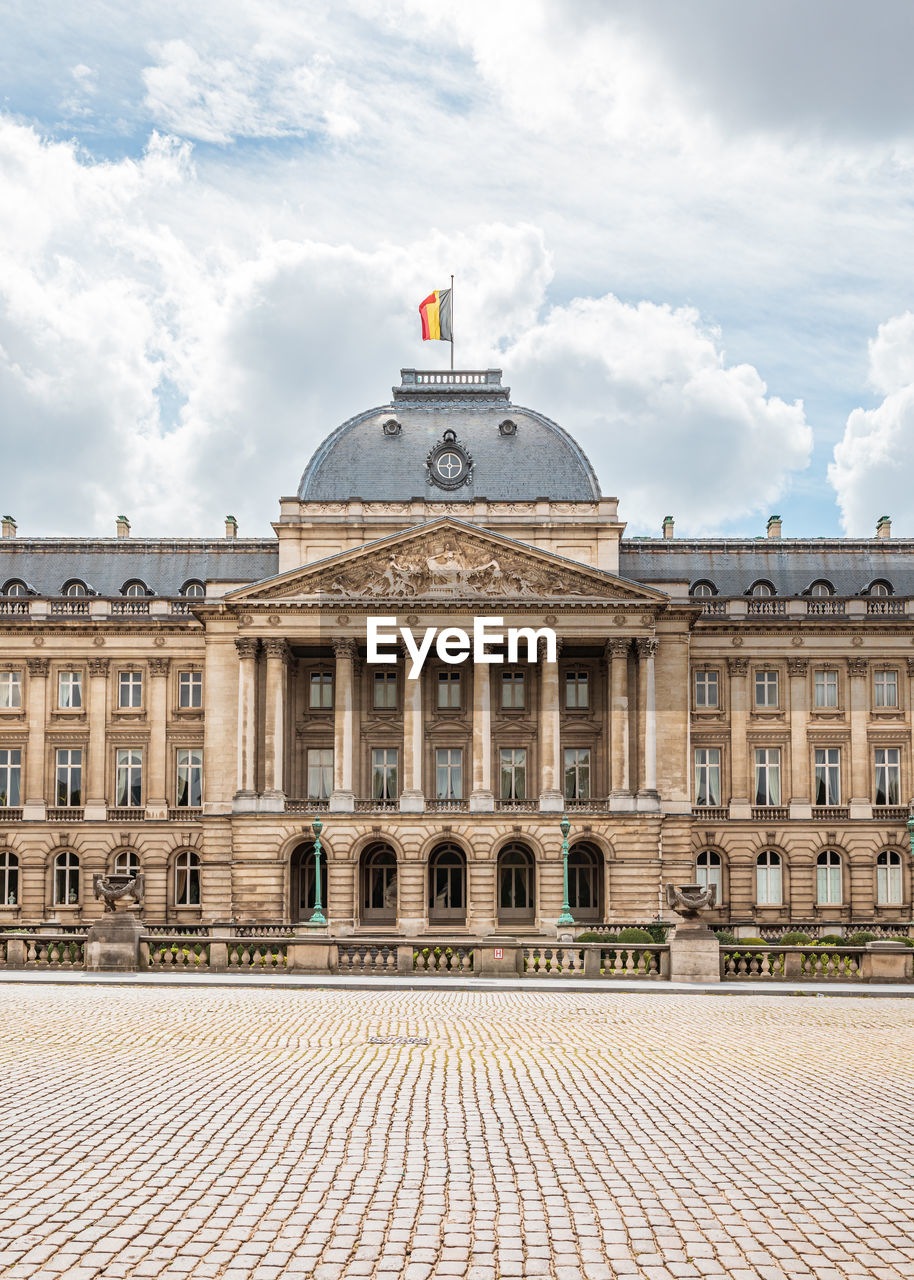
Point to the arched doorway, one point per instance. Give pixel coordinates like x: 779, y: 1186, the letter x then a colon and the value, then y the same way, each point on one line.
x: 378, y: 884
x: 447, y: 885
x: 585, y: 882
x: 516, y: 885
x: 301, y: 882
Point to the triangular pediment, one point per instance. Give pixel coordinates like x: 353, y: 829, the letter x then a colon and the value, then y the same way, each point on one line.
x: 444, y: 560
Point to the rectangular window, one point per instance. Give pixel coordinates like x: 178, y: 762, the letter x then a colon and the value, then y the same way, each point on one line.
x: 577, y: 690
x: 10, y: 776
x: 69, y: 777
x: 577, y: 773
x: 828, y: 881
x: 320, y: 773
x: 10, y: 689
x: 514, y: 773
x: 190, y: 688
x: 190, y: 778
x: 707, y: 775
x: 512, y: 690
x: 129, y: 779
x: 449, y: 773
x: 69, y: 688
x: 766, y: 688
x: 828, y: 775
x: 385, y: 691
x: 384, y: 781
x: 826, y: 688
x: 768, y: 775
x: 888, y: 880
x: 888, y: 775
x: 320, y: 697
x: 885, y: 688
x: 707, y: 689
x: 130, y: 688
x: 768, y: 883
x: 449, y: 689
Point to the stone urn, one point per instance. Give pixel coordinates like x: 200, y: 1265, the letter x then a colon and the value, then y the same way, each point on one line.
x: 113, y: 943
x: 694, y: 950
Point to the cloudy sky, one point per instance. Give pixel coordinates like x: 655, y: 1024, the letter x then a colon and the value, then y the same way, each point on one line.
x: 683, y: 230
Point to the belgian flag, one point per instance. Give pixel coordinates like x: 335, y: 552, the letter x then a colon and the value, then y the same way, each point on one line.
x: 437, y: 316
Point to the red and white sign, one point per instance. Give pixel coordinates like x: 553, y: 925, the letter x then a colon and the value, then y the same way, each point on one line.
x: 498, y: 953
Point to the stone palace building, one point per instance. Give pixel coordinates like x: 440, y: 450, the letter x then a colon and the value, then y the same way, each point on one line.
x: 735, y: 710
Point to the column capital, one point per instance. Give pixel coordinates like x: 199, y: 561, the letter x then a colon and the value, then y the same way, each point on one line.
x: 247, y: 646
x: 343, y: 649
x: 37, y: 666
x: 541, y: 647
x: 158, y: 666
x: 99, y: 666
x: 910, y: 663
x: 618, y: 647
x: 857, y: 666
x: 277, y: 649
x: 738, y: 666
x: 797, y: 666
x: 646, y: 646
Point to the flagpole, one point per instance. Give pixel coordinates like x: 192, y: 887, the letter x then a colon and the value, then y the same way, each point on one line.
x: 452, y: 321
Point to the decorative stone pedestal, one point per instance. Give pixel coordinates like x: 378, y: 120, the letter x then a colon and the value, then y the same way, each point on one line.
x: 694, y: 954
x: 113, y: 943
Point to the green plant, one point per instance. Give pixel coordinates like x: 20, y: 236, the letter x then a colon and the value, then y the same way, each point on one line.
x: 725, y: 938
x: 861, y: 938
x: 831, y: 940
x: 752, y: 942
x: 796, y: 938
x: 632, y: 935
x: 908, y: 942
x: 590, y: 936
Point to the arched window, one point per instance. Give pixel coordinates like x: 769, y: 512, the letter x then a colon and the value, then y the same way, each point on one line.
x: 447, y: 885
x: 9, y: 879
x: 135, y: 588
x: 821, y: 588
x: 889, y: 891
x: 769, y: 886
x: 302, y: 880
x: 126, y: 863
x: 703, y: 589
x: 828, y: 879
x: 194, y: 589
x: 15, y: 587
x: 66, y: 879
x: 379, y: 885
x: 585, y: 882
x: 75, y: 588
x: 761, y: 589
x: 708, y: 871
x: 516, y: 885
x: 880, y: 588
x: 187, y: 879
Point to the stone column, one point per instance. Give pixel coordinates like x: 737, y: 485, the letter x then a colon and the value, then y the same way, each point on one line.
x: 342, y: 798
x: 35, y: 807
x: 858, y: 784
x: 274, y: 796
x: 243, y: 800
x: 620, y: 799
x: 800, y: 793
x: 648, y: 796
x: 552, y: 795
x: 96, y: 790
x: 412, y: 797
x: 482, y: 797
x: 156, y: 764
x: 740, y: 784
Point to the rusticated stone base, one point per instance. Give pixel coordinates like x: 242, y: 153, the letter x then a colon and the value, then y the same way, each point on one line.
x: 113, y: 944
x: 694, y: 954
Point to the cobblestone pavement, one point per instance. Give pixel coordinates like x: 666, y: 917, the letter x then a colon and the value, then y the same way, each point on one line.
x: 253, y: 1135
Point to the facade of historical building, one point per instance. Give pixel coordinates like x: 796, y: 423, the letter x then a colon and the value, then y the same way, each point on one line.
x: 738, y: 711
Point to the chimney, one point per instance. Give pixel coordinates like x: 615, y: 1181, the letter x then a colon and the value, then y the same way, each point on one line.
x: 8, y: 527
x: 774, y: 526
x: 668, y: 526
x: 123, y: 527
x: 884, y: 527
x: 231, y: 527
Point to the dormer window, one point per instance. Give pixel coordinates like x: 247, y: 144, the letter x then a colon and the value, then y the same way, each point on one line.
x: 507, y: 428
x: 703, y: 589
x: 761, y: 589
x: 879, y: 588
x: 194, y: 590
x: 15, y: 587
x: 391, y: 427
x: 135, y: 588
x: 821, y: 588
x: 75, y: 588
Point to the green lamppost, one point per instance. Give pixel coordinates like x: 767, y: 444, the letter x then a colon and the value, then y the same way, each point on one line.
x: 318, y: 919
x: 910, y: 825
x: 566, y: 917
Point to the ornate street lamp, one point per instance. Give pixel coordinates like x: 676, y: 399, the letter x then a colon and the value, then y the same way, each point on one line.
x: 318, y: 919
x: 910, y: 825
x: 566, y: 917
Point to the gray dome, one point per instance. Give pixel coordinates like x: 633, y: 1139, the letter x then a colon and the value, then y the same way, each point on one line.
x: 493, y: 449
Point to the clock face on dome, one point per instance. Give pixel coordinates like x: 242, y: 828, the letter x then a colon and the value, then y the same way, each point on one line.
x: 449, y: 465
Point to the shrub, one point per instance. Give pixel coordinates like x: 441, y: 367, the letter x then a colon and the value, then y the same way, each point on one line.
x: 796, y: 938
x: 752, y: 942
x: 632, y: 935
x: 831, y: 940
x: 908, y: 942
x: 861, y: 938
x: 725, y: 938
x: 658, y: 932
x: 590, y: 936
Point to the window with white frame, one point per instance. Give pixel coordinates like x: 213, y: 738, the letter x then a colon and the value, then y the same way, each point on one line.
x: 766, y: 688
x: 320, y: 694
x: 577, y: 690
x: 825, y: 687
x: 10, y: 776
x: 577, y: 773
x: 385, y: 690
x: 449, y: 773
x: 129, y: 778
x: 767, y: 775
x: 708, y: 872
x: 707, y: 775
x: 189, y: 778
x: 9, y: 878
x: 449, y: 690
x: 768, y: 879
x: 888, y: 775
x: 828, y: 775
x: 193, y: 590
x: 130, y: 688
x: 320, y: 773
x: 513, y: 771
x: 762, y: 589
x: 707, y: 688
x: 127, y: 863
x: 384, y: 773
x: 187, y: 879
x: 76, y: 589
x: 828, y: 879
x: 512, y: 690
x: 888, y: 879
x: 69, y: 689
x: 190, y: 688
x: 15, y: 588
x: 885, y: 687
x: 10, y: 690
x: 66, y: 879
x: 69, y: 777
x: 135, y: 589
